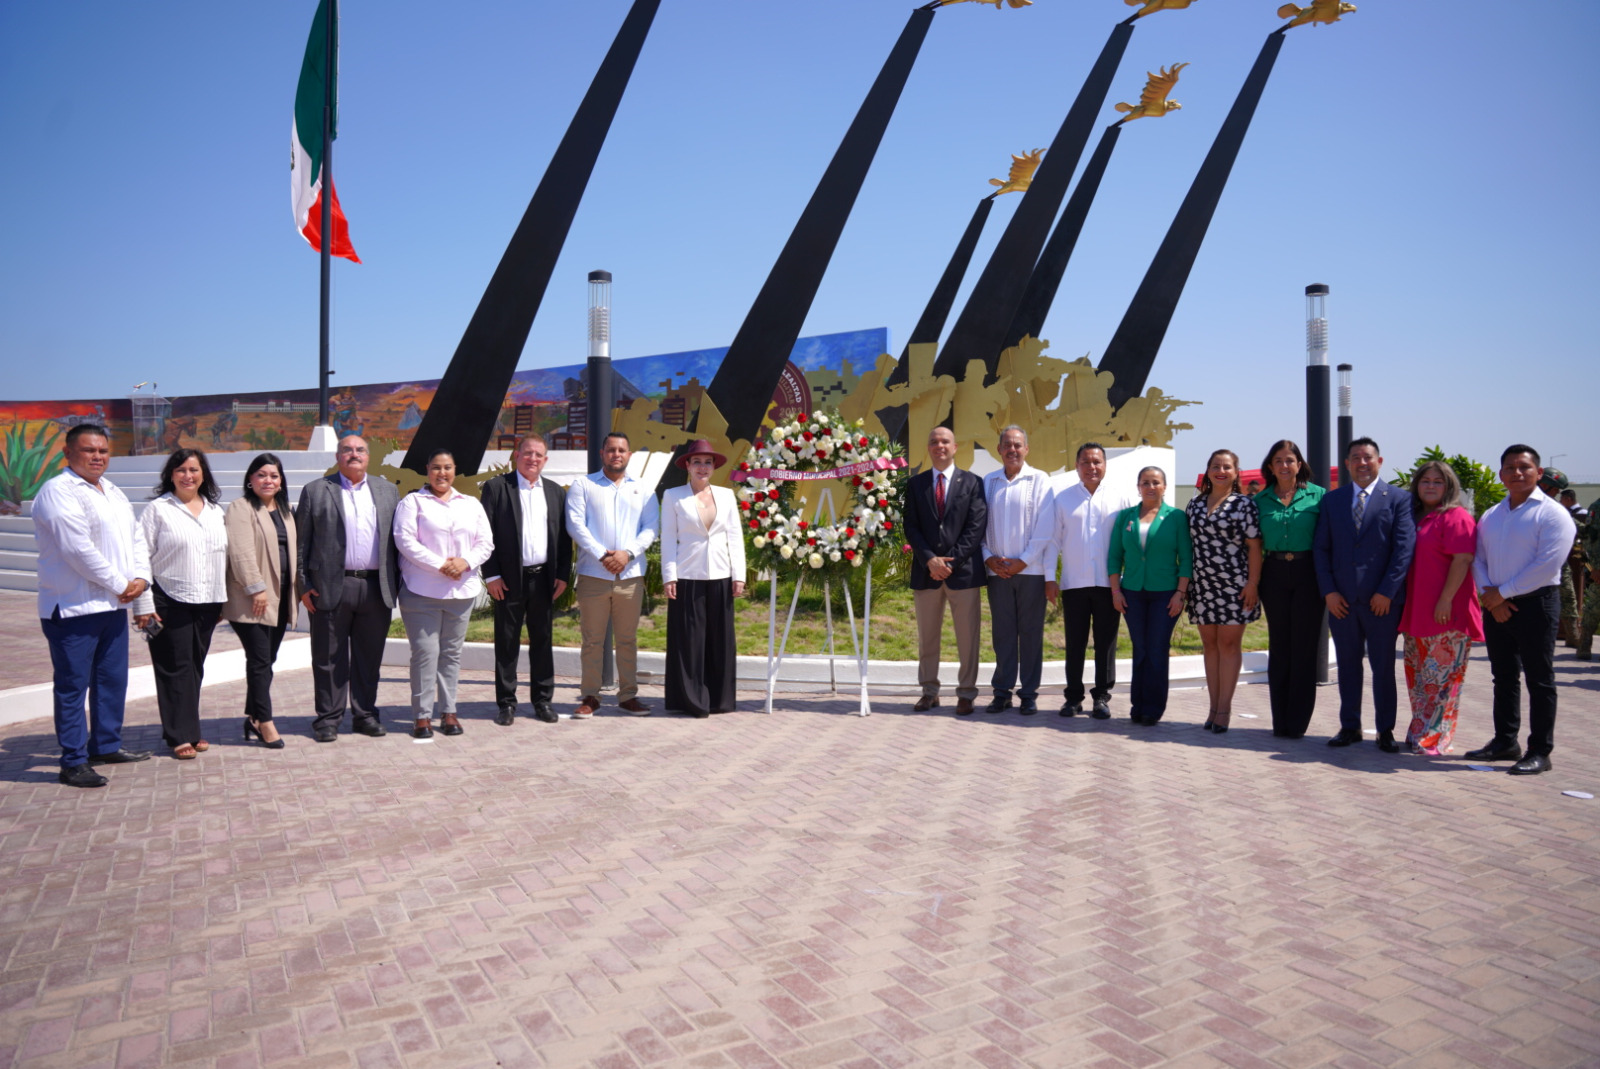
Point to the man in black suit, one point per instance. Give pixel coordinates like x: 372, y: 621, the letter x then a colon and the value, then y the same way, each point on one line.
x: 1362, y: 550
x: 528, y: 572
x: 349, y: 576
x: 945, y: 520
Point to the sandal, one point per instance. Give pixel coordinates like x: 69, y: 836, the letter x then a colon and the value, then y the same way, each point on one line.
x: 184, y: 752
x: 202, y: 746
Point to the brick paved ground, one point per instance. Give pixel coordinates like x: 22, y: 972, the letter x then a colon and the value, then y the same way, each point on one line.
x: 808, y: 889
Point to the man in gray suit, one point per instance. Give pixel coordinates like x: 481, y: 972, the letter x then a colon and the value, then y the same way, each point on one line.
x: 349, y: 575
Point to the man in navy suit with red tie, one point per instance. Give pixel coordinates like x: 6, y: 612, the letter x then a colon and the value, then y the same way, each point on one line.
x: 1364, y: 541
x: 945, y: 521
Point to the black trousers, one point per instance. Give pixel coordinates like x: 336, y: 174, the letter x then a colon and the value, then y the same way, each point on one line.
x: 701, y: 648
x: 347, y: 654
x: 1087, y: 610
x: 178, y: 656
x: 260, y: 642
x: 1294, y: 608
x: 1524, y: 647
x: 527, y: 603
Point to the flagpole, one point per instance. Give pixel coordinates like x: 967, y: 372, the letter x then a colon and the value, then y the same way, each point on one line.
x: 327, y: 209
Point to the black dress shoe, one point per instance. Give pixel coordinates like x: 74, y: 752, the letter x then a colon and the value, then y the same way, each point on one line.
x: 81, y: 776
x: 369, y: 727
x: 999, y: 705
x: 120, y: 757
x: 1346, y: 737
x: 1101, y: 710
x: 543, y: 712
x: 1072, y: 709
x: 325, y: 735
x: 1028, y: 708
x: 1492, y: 752
x: 1386, y: 742
x: 1531, y: 765
x: 505, y: 716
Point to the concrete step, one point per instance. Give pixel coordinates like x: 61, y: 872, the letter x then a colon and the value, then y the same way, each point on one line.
x: 15, y: 580
x: 19, y: 562
x: 17, y: 541
x: 18, y: 524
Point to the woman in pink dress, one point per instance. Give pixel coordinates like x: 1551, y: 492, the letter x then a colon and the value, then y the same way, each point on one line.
x: 1441, y: 619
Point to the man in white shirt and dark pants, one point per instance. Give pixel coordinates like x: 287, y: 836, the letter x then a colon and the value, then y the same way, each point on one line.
x: 612, y: 518
x: 1015, y: 548
x: 1522, y: 543
x: 1085, y: 516
x: 92, y: 564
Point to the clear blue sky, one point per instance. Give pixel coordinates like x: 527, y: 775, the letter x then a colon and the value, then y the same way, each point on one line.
x: 1434, y: 164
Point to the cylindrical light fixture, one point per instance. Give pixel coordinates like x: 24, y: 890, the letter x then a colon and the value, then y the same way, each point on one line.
x: 1317, y: 398
x: 597, y: 385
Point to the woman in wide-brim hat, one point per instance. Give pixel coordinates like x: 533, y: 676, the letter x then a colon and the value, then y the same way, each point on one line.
x: 702, y: 569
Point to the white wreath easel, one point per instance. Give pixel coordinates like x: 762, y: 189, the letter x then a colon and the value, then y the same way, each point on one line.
x: 775, y: 656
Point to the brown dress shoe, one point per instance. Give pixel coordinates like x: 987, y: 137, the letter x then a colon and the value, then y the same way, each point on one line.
x: 634, y: 706
x: 925, y: 703
x: 423, y: 728
x: 586, y: 708
x: 450, y: 725
x: 963, y: 706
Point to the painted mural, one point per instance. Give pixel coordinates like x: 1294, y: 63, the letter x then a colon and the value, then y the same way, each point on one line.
x: 821, y: 371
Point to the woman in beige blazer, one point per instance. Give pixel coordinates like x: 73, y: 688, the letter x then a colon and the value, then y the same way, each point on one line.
x: 702, y: 570
x: 260, y: 586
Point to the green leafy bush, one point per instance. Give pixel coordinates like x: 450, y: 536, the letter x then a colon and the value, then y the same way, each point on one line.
x: 1479, y: 480
x: 25, y: 466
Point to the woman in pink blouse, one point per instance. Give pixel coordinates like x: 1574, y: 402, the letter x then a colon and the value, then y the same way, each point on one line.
x: 443, y: 537
x: 1441, y: 619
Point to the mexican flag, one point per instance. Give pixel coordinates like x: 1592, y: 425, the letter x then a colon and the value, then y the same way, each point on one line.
x: 318, y: 81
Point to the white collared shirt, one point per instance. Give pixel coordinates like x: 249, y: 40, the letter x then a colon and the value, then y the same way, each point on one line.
x: 535, y: 521
x: 360, y: 525
x: 90, y: 547
x: 188, y: 553
x: 1084, y: 524
x: 603, y: 515
x: 1521, y: 549
x: 429, y: 530
x: 1021, y: 518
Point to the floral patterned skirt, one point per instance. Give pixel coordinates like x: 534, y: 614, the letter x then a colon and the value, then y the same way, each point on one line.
x: 1435, y: 668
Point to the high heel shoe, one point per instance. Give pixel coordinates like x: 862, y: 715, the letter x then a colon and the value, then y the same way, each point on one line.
x: 1210, y: 724
x: 1221, y: 726
x: 252, y: 728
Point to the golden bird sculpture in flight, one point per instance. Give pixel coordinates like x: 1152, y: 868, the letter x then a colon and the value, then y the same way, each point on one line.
x: 1022, y: 168
x: 1326, y: 12
x: 1150, y: 7
x: 1153, y: 102
x: 998, y: 4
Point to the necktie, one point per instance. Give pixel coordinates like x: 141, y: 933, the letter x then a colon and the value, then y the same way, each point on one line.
x: 1361, y: 508
x: 938, y: 494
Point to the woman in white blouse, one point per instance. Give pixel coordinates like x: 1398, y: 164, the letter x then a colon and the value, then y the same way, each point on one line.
x: 188, y: 543
x: 702, y: 569
x: 443, y: 537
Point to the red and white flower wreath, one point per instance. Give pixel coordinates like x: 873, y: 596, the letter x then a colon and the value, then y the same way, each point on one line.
x: 821, y: 445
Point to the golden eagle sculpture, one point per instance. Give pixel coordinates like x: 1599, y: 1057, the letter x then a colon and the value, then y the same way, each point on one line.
x: 998, y: 4
x: 1150, y: 7
x: 1022, y: 168
x: 1326, y: 12
x: 1153, y: 102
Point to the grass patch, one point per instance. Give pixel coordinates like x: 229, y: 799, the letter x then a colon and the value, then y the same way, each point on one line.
x: 894, y: 626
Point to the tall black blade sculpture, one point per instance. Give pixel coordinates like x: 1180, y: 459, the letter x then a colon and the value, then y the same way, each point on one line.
x: 992, y: 304
x: 463, y: 413
x: 1046, y: 277
x: 742, y: 387
x: 1132, y: 349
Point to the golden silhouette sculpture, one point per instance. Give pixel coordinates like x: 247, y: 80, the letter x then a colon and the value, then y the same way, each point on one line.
x: 1153, y: 102
x: 1150, y: 7
x: 1326, y: 12
x: 997, y: 3
x: 1021, y: 176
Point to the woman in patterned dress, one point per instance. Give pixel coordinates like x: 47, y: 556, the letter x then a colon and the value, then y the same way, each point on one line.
x: 1226, y: 530
x: 1441, y: 618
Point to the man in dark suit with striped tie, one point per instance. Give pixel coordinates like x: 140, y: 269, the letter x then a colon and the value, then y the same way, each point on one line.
x: 1362, y: 549
x: 945, y: 520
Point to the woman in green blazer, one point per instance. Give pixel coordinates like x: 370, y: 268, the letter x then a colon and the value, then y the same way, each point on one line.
x: 1150, y: 565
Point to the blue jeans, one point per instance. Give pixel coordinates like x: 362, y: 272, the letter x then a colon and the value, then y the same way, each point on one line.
x: 1150, y: 629
x: 90, y: 657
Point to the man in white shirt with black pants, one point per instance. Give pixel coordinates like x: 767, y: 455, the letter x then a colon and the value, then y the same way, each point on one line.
x: 1522, y: 543
x: 1015, y: 549
x: 92, y: 564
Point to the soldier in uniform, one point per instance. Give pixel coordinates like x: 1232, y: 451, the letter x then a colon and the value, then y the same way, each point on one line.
x: 1553, y: 482
x: 1589, y: 539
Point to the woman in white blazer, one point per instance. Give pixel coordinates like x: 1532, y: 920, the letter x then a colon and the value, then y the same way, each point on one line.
x: 702, y: 570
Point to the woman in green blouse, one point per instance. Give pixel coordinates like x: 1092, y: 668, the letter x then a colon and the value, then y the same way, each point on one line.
x: 1288, y: 508
x: 1150, y: 564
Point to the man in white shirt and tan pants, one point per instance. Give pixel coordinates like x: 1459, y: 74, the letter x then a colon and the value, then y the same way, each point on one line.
x: 92, y: 564
x: 612, y: 518
x: 1015, y: 549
